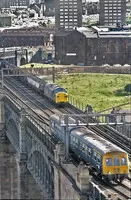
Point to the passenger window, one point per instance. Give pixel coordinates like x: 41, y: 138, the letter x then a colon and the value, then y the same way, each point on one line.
x: 89, y: 152
x: 123, y: 161
x: 116, y: 162
x: 94, y: 155
x: 76, y: 141
x: 108, y: 161
x: 98, y: 158
x: 82, y: 146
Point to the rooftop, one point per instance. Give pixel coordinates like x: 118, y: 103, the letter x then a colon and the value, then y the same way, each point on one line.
x: 104, y: 32
x: 7, y: 15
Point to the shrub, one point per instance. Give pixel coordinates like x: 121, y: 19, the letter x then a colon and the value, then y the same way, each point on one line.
x: 128, y: 88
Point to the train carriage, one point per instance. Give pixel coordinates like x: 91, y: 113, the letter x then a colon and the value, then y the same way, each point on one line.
x: 33, y: 83
x: 110, y: 161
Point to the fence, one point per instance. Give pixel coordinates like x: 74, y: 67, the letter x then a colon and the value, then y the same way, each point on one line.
x: 98, y: 194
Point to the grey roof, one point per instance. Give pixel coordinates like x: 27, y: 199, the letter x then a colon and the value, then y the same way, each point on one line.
x: 87, y: 32
x: 87, y: 136
x: 100, y: 143
x: 114, y: 36
x: 63, y: 32
x: 90, y: 33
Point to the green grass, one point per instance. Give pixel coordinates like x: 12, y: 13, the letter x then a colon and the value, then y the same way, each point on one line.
x: 102, y: 91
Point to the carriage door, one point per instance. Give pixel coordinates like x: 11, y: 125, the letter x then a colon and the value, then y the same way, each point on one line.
x: 116, y: 165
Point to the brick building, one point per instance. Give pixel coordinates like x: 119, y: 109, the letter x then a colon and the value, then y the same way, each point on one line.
x: 69, y: 47
x: 92, y: 48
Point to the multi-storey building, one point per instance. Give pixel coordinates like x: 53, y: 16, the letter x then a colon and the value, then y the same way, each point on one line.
x: 68, y: 13
x: 8, y: 3
x: 112, y: 12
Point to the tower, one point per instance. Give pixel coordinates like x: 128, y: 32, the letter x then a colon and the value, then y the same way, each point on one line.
x: 68, y: 13
x: 112, y: 12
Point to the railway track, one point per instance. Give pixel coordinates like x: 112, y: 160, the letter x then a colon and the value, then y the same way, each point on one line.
x: 105, y: 131
x: 46, y: 110
x: 122, y: 191
x: 28, y: 108
x: 29, y: 100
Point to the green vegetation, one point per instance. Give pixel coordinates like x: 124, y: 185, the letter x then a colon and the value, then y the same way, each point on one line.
x: 128, y: 20
x: 128, y: 88
x: 102, y: 91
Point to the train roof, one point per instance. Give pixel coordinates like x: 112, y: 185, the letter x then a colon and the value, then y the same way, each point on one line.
x: 54, y: 86
x: 89, y: 137
x: 37, y: 79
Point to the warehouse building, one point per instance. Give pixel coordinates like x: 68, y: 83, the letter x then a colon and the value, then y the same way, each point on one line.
x: 93, y: 47
x: 69, y: 47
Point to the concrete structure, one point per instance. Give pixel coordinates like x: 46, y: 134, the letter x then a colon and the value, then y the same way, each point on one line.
x: 68, y: 13
x: 29, y: 150
x: 112, y: 12
x: 93, y: 47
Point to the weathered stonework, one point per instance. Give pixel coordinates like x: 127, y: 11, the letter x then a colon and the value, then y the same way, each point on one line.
x: 70, y: 182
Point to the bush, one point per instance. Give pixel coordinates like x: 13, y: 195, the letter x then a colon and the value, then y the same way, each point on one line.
x: 128, y: 88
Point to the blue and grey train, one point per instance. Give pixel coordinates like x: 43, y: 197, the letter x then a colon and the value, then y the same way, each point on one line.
x: 110, y: 161
x: 52, y: 91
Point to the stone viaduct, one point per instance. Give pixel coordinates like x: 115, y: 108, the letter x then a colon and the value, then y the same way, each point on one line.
x: 38, y: 155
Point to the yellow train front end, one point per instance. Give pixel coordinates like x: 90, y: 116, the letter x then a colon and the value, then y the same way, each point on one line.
x: 115, y: 166
x: 61, y: 98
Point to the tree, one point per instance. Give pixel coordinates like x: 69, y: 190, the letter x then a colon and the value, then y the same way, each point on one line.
x: 128, y: 88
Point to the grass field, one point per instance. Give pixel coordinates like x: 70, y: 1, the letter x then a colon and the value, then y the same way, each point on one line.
x: 102, y: 91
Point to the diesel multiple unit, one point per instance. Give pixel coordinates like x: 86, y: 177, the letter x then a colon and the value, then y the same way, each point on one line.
x: 110, y: 161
